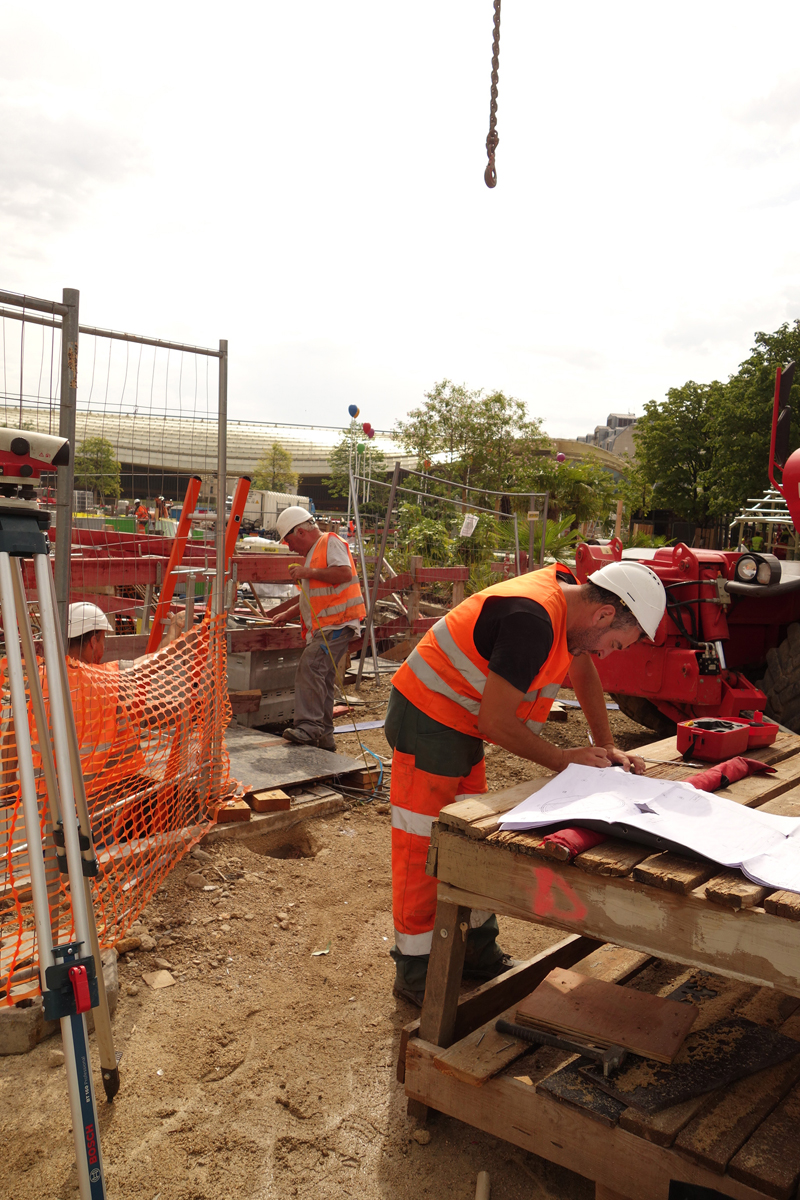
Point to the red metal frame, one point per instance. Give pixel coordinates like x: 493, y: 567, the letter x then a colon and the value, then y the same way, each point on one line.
x: 182, y: 535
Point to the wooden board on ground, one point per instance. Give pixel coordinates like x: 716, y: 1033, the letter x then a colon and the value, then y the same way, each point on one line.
x: 605, y: 1014
x: 709, y: 1059
x: 260, y: 767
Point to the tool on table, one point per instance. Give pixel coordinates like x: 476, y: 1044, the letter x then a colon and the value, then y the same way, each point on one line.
x: 712, y: 739
x: 71, y: 973
x: 610, y: 1059
x: 671, y: 762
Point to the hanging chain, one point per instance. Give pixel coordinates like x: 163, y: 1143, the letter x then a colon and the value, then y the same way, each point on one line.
x: 492, y: 138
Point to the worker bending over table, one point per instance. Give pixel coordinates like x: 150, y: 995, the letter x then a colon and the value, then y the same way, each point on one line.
x: 490, y: 670
x: 331, y: 608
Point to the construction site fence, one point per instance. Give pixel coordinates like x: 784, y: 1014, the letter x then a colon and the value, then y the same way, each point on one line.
x: 156, y: 770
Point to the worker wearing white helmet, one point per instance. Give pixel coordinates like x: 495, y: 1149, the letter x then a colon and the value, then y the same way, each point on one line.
x: 490, y: 670
x: 108, y: 711
x: 331, y: 607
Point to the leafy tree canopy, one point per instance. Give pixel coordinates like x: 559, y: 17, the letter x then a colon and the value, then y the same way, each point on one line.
x: 96, y: 469
x: 371, y: 463
x: 273, y: 471
x: 486, y: 439
x: 675, y: 450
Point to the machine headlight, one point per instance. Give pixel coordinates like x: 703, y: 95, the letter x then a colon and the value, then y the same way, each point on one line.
x: 746, y: 569
x: 764, y: 573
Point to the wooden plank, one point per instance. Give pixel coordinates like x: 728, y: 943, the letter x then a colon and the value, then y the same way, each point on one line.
x: 611, y: 858
x: 709, y: 1059
x: 230, y: 811
x: 485, y: 1052
x: 673, y: 872
x: 783, y: 904
x: 529, y: 842
x: 770, y: 1159
x: 713, y: 996
x: 513, y: 1111
x: 605, y: 1014
x: 464, y: 814
x: 734, y: 1114
x: 438, y: 1019
x: 493, y: 996
x: 785, y: 745
x: 732, y: 890
x: 751, y: 945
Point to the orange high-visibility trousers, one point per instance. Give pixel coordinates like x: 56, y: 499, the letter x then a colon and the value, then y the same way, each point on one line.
x: 417, y: 798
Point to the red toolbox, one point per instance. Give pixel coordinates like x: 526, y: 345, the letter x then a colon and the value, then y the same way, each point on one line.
x: 713, y: 739
x: 762, y: 731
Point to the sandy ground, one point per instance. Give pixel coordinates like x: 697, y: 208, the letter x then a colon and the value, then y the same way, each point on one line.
x: 267, y: 1071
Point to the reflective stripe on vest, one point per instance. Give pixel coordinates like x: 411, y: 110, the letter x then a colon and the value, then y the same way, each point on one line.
x: 445, y: 675
x: 333, y: 604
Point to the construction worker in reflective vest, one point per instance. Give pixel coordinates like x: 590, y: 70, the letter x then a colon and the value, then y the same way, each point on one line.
x: 142, y: 516
x: 490, y: 670
x: 107, y: 718
x: 331, y: 609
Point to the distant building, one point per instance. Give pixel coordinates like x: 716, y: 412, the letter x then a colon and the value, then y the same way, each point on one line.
x: 606, y: 437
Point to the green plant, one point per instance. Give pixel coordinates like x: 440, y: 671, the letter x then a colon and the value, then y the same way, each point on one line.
x: 481, y: 576
x: 650, y: 541
x: 465, y: 551
x: 559, y: 539
x: 429, y: 539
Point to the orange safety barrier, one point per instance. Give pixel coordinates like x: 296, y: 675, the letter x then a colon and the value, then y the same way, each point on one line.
x: 151, y: 738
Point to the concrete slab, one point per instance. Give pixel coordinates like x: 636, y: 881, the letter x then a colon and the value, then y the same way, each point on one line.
x: 266, y: 764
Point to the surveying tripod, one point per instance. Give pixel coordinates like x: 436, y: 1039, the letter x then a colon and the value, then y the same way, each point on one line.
x: 70, y: 973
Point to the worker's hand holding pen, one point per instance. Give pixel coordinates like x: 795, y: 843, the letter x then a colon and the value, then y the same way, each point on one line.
x: 604, y: 756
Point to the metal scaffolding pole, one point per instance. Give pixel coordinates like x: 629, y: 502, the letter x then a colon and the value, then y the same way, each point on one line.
x: 66, y: 474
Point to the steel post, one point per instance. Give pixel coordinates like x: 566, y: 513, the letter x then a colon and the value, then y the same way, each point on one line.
x: 222, y: 478
x: 66, y: 429
x: 544, y: 529
x: 369, y: 624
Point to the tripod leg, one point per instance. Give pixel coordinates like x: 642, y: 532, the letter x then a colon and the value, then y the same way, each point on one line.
x: 102, y: 1016
x: 109, y: 1059
x: 84, y: 1122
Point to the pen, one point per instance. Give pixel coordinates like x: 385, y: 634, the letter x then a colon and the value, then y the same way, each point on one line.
x: 591, y: 739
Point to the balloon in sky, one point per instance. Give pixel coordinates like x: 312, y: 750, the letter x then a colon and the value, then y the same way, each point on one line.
x: 360, y: 448
x: 353, y: 410
x: 370, y: 433
x: 366, y: 427
x: 561, y: 457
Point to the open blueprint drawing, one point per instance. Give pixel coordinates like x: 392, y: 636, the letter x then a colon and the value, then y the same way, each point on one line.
x: 766, y: 847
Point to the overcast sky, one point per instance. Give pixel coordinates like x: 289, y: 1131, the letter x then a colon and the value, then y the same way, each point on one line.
x: 306, y: 179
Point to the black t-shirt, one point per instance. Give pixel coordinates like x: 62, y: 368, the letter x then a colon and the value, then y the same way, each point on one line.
x: 516, y: 635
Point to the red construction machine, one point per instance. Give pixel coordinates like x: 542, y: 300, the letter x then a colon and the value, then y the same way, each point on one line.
x: 729, y: 643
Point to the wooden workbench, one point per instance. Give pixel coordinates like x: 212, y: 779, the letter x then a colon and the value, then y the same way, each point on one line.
x: 620, y: 903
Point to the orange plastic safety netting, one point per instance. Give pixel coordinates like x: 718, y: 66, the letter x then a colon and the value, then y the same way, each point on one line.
x: 151, y: 740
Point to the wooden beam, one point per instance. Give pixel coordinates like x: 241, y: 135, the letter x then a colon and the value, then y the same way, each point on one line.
x: 438, y: 1021
x: 751, y: 945
x: 509, y: 1109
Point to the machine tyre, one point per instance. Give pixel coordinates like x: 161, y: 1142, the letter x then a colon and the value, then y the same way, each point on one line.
x: 644, y: 712
x: 781, y: 684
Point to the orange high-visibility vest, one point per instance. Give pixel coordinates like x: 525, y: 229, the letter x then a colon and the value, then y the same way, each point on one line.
x: 108, y: 737
x: 332, y: 604
x: 445, y: 675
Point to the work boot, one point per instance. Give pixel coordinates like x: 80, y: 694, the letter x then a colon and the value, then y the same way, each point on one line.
x: 298, y: 737
x: 327, y: 742
x: 491, y: 970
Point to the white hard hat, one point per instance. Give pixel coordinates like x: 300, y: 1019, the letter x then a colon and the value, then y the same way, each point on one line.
x: 86, y: 618
x: 290, y: 518
x: 639, y: 587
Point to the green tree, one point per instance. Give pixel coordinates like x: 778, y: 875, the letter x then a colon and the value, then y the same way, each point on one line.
x: 585, y: 489
x: 96, y: 469
x: 371, y: 462
x: 675, y: 450
x: 485, y: 440
x: 273, y: 471
x: 742, y: 420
